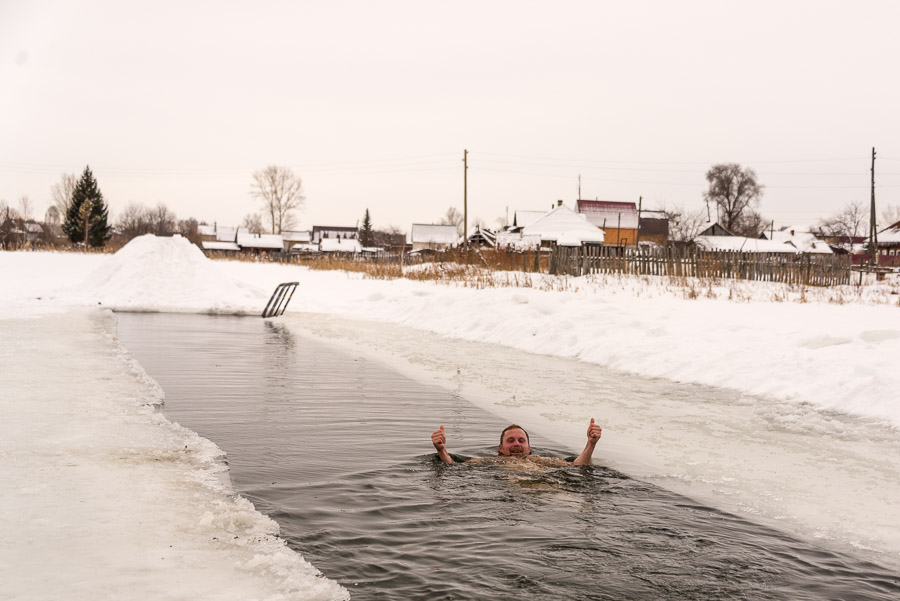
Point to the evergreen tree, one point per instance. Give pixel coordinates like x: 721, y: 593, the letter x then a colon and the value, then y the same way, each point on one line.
x: 366, y: 236
x: 87, y: 220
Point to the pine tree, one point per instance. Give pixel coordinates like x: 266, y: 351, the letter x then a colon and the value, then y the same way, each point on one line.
x: 365, y: 234
x: 87, y: 220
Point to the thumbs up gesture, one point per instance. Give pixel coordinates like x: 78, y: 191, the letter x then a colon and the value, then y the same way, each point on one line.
x: 438, y: 439
x: 594, y: 432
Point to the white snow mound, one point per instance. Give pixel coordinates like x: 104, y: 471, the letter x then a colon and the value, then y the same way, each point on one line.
x: 151, y: 273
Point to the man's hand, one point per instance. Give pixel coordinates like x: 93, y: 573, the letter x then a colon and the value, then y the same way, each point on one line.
x: 439, y: 440
x: 593, y: 436
x: 594, y: 432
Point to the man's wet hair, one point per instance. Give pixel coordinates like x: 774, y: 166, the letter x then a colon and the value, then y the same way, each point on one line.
x: 514, y: 427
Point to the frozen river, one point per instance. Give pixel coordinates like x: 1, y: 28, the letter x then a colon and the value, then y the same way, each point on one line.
x: 326, y: 423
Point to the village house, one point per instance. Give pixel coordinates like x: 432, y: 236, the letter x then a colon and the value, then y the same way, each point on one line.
x: 563, y: 226
x: 618, y: 220
x: 320, y: 232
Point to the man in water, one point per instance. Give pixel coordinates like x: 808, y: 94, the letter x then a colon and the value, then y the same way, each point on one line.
x: 514, y: 445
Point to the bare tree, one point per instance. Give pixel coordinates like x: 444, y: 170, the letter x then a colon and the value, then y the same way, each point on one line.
x: 453, y: 217
x: 281, y: 193
x: 25, y: 207
x: 189, y: 228
x: 61, y: 193
x: 134, y: 221
x: 253, y: 223
x: 890, y: 215
x: 845, y: 225
x: 734, y: 189
x: 52, y: 216
x: 750, y: 224
x: 162, y: 220
x: 684, y: 225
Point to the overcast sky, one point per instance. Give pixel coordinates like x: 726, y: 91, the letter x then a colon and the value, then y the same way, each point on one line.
x: 373, y: 103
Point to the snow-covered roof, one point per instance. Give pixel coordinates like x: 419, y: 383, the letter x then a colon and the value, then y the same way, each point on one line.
x: 216, y: 245
x: 344, y: 245
x: 526, y: 218
x: 206, y: 230
x: 433, y: 234
x: 747, y: 245
x: 248, y: 240
x: 227, y: 234
x: 297, y: 236
x: 305, y: 247
x: 483, y: 235
x: 564, y: 223
x: 890, y: 234
x: 517, y: 241
x: 604, y: 213
x: 802, y: 241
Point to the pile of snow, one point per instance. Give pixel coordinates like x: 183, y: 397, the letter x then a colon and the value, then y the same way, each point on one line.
x: 166, y: 274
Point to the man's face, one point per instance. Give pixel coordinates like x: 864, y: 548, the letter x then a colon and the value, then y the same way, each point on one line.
x: 514, y: 443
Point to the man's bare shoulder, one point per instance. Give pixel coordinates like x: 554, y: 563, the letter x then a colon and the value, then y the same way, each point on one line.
x: 545, y: 461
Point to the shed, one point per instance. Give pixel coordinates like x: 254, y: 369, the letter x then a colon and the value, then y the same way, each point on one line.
x: 619, y: 220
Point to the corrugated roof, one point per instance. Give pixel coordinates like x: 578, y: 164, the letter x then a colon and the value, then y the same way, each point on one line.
x: 611, y: 213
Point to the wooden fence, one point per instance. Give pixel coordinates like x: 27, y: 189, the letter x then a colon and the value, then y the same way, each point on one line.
x: 801, y: 269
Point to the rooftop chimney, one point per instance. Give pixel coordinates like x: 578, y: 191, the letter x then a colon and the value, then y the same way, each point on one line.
x: 559, y: 203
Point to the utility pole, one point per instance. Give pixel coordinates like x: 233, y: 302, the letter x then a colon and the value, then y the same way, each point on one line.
x: 579, y: 186
x: 637, y: 235
x: 466, y: 200
x: 873, y: 234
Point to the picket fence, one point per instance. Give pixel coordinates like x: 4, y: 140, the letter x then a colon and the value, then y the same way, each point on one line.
x: 800, y: 269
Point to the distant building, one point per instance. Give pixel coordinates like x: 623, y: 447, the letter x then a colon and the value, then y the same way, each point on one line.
x: 259, y: 243
x: 320, y: 232
x: 293, y: 239
x: 803, y: 241
x: 340, y: 245
x: 618, y: 220
x: 432, y: 236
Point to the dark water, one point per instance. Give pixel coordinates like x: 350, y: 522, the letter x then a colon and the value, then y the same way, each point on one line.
x: 336, y: 449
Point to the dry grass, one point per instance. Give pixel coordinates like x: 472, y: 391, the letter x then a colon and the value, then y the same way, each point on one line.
x: 498, y: 270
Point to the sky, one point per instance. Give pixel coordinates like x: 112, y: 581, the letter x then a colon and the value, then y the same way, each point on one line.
x: 374, y: 104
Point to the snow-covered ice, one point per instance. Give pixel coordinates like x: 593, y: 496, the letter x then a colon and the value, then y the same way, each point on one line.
x: 82, y: 445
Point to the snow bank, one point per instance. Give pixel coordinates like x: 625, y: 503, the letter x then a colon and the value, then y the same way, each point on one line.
x: 105, y: 498
x: 839, y: 357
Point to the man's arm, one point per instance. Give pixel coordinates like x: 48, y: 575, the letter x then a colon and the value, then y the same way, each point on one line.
x: 593, y: 435
x: 439, y: 440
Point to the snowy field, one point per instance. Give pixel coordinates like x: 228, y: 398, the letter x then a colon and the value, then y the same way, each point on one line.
x: 810, y: 444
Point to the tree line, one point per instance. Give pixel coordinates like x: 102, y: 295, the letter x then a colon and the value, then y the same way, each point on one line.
x: 80, y: 213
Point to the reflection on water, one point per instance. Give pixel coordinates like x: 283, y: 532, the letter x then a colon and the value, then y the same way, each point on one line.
x: 336, y: 449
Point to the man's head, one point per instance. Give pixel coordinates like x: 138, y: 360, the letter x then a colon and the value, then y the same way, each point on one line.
x: 514, y: 442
